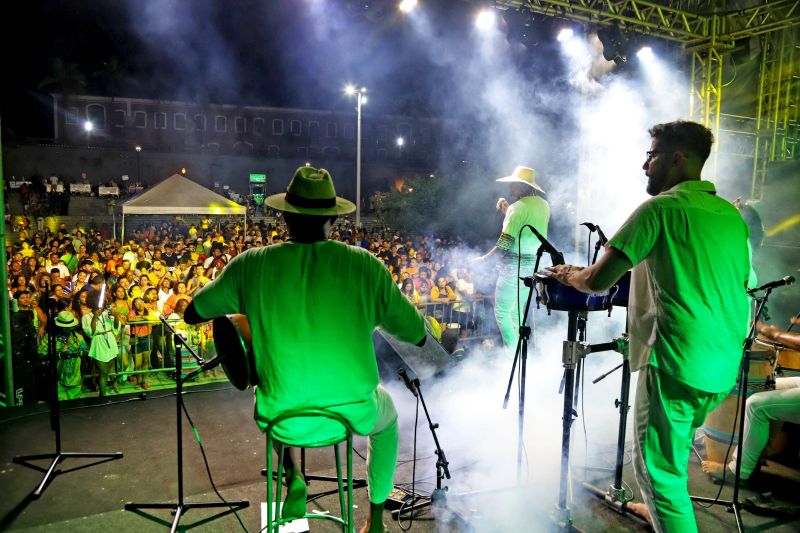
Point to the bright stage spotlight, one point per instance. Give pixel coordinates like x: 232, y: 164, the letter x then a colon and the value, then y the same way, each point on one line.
x: 645, y: 53
x: 400, y: 142
x: 485, y: 19
x: 88, y: 126
x: 350, y: 90
x: 407, y: 6
x: 565, y: 35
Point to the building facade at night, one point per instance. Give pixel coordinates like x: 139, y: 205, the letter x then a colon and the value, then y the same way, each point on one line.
x: 221, y: 144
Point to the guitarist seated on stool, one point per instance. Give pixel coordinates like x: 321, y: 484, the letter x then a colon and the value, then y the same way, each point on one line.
x: 312, y: 305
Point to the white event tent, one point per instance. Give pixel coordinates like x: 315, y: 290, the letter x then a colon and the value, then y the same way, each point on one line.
x: 178, y: 195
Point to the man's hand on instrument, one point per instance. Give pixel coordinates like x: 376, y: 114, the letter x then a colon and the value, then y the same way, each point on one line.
x: 562, y: 273
x: 769, y: 332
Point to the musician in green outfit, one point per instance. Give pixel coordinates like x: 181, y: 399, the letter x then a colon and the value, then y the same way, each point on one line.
x: 688, y: 311
x: 313, y: 305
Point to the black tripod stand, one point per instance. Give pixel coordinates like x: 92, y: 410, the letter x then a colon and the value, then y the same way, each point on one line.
x: 55, y: 423
x: 437, y: 500
x: 521, y: 352
x: 182, y: 506
x: 733, y: 504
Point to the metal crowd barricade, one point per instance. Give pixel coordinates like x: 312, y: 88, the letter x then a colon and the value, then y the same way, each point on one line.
x: 199, y: 336
x: 470, y: 318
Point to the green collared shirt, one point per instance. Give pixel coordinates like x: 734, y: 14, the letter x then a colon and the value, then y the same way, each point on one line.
x: 688, y: 311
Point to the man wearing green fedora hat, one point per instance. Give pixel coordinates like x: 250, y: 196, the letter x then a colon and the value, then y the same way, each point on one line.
x: 313, y: 304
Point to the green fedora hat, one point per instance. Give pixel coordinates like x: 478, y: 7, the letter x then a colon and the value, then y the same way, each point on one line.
x: 311, y: 192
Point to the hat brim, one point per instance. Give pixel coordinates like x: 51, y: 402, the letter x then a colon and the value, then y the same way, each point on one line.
x: 514, y: 179
x: 70, y: 325
x: 278, y: 201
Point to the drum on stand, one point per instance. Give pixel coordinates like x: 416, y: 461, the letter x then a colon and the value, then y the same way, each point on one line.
x: 725, y: 417
x: 788, y: 365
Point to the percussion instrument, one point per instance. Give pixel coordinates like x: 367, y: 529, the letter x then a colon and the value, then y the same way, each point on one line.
x: 234, y: 346
x: 557, y: 296
x: 621, y: 290
x: 720, y: 421
x: 788, y: 363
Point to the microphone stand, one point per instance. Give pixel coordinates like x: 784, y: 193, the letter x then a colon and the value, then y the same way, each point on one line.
x: 181, y: 506
x: 733, y: 504
x: 521, y: 352
x: 437, y: 499
x: 55, y: 423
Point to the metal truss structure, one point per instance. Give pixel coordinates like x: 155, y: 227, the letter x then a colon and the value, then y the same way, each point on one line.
x: 710, y: 30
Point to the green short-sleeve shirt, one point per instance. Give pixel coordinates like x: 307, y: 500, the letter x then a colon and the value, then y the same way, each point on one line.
x: 312, y: 309
x: 528, y: 210
x: 689, y: 310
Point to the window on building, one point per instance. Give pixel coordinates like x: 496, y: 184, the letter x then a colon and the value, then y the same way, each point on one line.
x: 200, y: 123
x: 295, y: 127
x: 302, y: 151
x: 330, y: 152
x: 273, y: 151
x: 213, y: 146
x: 330, y: 130
x: 140, y: 119
x: 160, y: 121
x: 180, y: 121
x: 221, y: 123
x: 313, y: 129
x: 383, y: 133
x: 404, y: 131
x: 72, y: 115
x: 96, y: 114
x: 240, y: 125
x: 258, y: 126
x: 425, y: 135
x: 118, y: 117
x: 277, y: 126
x: 349, y: 131
x: 382, y: 154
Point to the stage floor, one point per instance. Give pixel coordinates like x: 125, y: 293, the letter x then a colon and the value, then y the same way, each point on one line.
x: 91, y: 498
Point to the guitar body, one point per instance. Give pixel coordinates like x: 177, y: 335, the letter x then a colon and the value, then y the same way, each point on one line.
x: 234, y: 345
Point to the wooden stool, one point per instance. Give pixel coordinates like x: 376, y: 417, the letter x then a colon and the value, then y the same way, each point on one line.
x: 346, y: 435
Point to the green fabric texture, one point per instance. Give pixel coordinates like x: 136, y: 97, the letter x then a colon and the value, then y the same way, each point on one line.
x: 312, y: 309
x: 673, y: 413
x: 531, y: 210
x: 691, y: 250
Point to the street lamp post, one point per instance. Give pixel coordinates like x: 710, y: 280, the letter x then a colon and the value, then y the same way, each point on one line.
x: 360, y: 99
x: 138, y: 164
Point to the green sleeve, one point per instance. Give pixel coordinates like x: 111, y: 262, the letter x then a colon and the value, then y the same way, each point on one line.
x: 396, y: 314
x: 639, y: 233
x: 222, y: 295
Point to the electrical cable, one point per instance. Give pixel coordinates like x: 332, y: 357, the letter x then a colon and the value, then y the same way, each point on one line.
x: 208, y: 468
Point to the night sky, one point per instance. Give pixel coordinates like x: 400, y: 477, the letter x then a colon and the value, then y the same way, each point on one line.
x: 286, y: 53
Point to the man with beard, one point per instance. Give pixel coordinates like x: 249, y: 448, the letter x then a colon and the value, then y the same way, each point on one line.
x: 688, y: 311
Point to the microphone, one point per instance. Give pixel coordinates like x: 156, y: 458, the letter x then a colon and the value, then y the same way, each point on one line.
x: 593, y: 228
x: 407, y: 380
x: 556, y: 256
x: 788, y: 280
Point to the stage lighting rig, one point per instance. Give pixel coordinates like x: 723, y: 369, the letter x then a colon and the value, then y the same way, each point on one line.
x: 615, y: 44
x: 520, y: 26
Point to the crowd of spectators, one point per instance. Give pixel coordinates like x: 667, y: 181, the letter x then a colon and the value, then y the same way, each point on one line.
x: 99, y: 292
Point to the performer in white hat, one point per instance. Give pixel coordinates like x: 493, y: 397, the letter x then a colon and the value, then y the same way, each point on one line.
x: 518, y: 248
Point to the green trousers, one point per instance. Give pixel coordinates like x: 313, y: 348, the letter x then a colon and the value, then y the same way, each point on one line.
x: 667, y: 414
